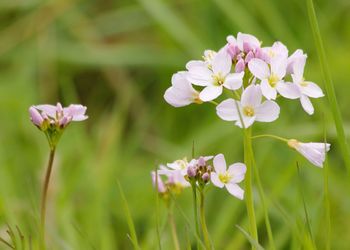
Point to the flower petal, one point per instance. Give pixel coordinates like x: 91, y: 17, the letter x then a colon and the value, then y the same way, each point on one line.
x: 215, y: 180
x: 48, y: 109
x: 222, y: 63
x: 199, y: 75
x: 251, y: 96
x: 267, y: 112
x: 306, y: 104
x: 312, y: 90
x: 247, y: 121
x: 210, y: 93
x: 259, y: 68
x: 227, y: 110
x: 219, y: 163
x: 238, y: 171
x: 268, y: 91
x: 288, y: 90
x: 279, y: 67
x: 234, y: 81
x: 235, y: 190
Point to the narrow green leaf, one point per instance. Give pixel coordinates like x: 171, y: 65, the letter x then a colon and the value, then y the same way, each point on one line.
x: 250, y: 239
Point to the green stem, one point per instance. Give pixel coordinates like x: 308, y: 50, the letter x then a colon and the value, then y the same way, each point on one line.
x: 263, y: 201
x: 203, y: 223
x: 327, y: 206
x: 329, y: 86
x: 44, y: 194
x: 195, y: 209
x: 270, y: 136
x: 173, y: 229
x: 248, y: 185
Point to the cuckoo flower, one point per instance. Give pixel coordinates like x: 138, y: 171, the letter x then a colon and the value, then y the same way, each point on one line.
x: 228, y: 178
x: 313, y: 152
x: 307, y: 89
x: 246, y: 42
x: 250, y: 108
x: 181, y: 93
x: 216, y: 77
x: 277, y: 51
x: 272, y: 78
x: 180, y: 165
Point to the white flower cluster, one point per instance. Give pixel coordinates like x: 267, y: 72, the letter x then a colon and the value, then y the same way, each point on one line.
x: 255, y: 76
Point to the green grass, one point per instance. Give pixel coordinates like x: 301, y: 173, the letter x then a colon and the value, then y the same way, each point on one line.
x: 117, y: 58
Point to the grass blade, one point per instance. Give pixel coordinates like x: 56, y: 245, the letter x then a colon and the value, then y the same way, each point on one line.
x: 250, y: 239
x: 133, y: 236
x: 328, y: 83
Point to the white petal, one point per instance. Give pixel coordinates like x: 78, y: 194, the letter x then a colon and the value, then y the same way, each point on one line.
x: 249, y: 39
x: 48, y: 109
x: 267, y: 112
x: 200, y: 76
x: 306, y: 104
x: 299, y: 65
x: 267, y: 90
x: 291, y: 60
x: 234, y: 81
x: 215, y: 180
x: 288, y: 90
x: 312, y: 90
x: 235, y: 190
x: 195, y: 63
x: 181, y: 93
x: 247, y: 121
x: 313, y: 152
x: 237, y: 171
x: 259, y: 68
x: 251, y: 96
x: 227, y: 110
x: 210, y: 93
x: 279, y: 67
x: 222, y: 63
x: 219, y: 163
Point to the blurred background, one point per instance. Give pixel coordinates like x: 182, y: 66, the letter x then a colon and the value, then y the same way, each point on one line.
x: 117, y: 58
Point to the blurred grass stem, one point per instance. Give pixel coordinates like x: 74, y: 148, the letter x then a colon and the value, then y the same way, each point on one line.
x: 173, y: 229
x: 203, y: 223
x: 195, y: 209
x: 270, y: 136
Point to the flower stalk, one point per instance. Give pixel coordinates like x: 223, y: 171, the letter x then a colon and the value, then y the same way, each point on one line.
x: 195, y: 209
x: 248, y: 160
x: 203, y: 222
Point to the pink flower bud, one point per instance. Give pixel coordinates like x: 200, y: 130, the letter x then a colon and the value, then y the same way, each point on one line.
x: 240, y: 66
x: 59, y: 108
x: 201, y: 162
x: 191, y: 171
x: 35, y: 116
x: 205, y: 177
x: 247, y: 47
x: 249, y: 56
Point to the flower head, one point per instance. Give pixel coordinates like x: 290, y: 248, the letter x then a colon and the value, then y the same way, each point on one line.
x: 249, y: 109
x: 312, y: 151
x: 228, y: 178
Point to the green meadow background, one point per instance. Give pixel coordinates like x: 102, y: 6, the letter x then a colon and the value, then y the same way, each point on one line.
x: 117, y: 58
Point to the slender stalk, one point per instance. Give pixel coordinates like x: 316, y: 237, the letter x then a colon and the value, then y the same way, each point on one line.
x: 263, y: 202
x: 195, y: 210
x: 173, y: 229
x: 44, y: 193
x: 248, y: 185
x: 328, y: 83
x: 270, y: 136
x: 326, y: 197
x: 203, y: 223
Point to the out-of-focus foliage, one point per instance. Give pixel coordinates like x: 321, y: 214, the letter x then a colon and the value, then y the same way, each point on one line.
x: 117, y: 58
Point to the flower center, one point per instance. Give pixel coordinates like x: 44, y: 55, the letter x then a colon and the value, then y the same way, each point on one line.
x: 248, y: 111
x: 273, y: 79
x: 219, y: 79
x: 225, y: 177
x: 182, y: 164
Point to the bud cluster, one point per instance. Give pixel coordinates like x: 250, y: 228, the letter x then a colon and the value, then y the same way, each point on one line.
x: 199, y: 171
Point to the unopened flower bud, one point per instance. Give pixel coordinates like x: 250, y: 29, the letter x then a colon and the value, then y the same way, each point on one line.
x: 249, y: 56
x: 201, y: 162
x: 35, y: 116
x: 240, y: 66
x: 205, y: 177
x: 191, y: 171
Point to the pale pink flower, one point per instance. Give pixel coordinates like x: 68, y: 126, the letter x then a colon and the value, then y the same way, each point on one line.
x: 36, y: 117
x: 175, y: 177
x: 272, y: 78
x: 246, y: 42
x: 216, y: 77
x: 208, y: 57
x: 180, y: 165
x: 307, y: 88
x: 312, y: 151
x: 297, y: 55
x: 250, y: 108
x: 181, y: 93
x: 277, y: 51
x: 230, y: 177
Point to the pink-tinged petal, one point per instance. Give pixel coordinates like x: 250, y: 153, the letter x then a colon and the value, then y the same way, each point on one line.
x: 235, y: 190
x: 209, y: 93
x: 195, y: 63
x: 280, y: 50
x: 306, y: 104
x: 156, y: 180
x: 295, y: 56
x: 219, y: 164
x: 200, y: 76
x: 227, y: 110
x: 247, y: 121
x: 76, y: 111
x: 269, y: 92
x: 240, y: 66
x: 234, y: 81
x: 215, y: 180
x: 267, y: 112
x: 249, y: 56
x: 312, y: 90
x: 299, y: 65
x: 231, y: 39
x: 259, y: 68
x: 314, y: 152
x: 35, y: 116
x: 247, y: 42
x: 237, y: 171
x: 288, y: 90
x: 49, y: 110
x: 251, y: 96
x: 222, y: 63
x: 279, y: 67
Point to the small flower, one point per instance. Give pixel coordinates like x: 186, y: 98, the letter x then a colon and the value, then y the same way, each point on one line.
x: 277, y: 51
x: 216, y: 77
x: 312, y: 151
x: 272, y: 78
x: 250, y: 108
x: 228, y: 178
x: 307, y: 88
x: 176, y: 180
x: 181, y: 93
x: 36, y: 117
x: 180, y: 165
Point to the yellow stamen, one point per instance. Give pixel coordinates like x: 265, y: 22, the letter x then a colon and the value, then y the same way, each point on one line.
x: 248, y: 111
x: 273, y: 80
x: 224, y: 177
